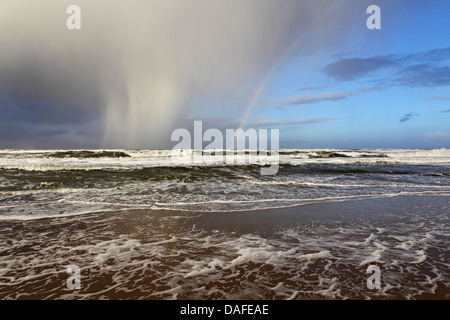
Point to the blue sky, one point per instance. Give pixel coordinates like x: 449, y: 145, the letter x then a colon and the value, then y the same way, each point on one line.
x: 378, y: 88
x: 311, y: 69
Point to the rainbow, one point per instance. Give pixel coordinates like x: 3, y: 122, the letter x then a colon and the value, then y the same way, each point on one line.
x: 260, y: 88
x: 274, y: 67
x: 263, y: 83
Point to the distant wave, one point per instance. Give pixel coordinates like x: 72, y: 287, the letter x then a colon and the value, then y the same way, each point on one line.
x: 328, y: 154
x: 161, y: 171
x: 89, y: 154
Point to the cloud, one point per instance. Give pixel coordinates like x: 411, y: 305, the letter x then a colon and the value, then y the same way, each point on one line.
x: 53, y: 132
x: 425, y: 69
x: 271, y: 123
x: 437, y: 134
x: 441, y: 54
x: 35, y: 111
x: 316, y: 98
x: 307, y: 88
x: 423, y: 75
x: 441, y: 98
x: 410, y: 116
x: 351, y: 68
x: 23, y: 134
x: 223, y: 123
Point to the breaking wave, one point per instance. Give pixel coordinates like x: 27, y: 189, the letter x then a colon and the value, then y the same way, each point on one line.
x: 89, y: 154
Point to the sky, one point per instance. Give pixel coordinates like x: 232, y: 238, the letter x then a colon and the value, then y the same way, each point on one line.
x: 137, y: 70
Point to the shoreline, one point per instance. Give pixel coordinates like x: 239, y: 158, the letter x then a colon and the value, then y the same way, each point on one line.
x: 306, y: 203
x: 327, y: 210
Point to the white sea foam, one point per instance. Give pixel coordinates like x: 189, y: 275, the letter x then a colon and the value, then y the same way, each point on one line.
x: 306, y: 261
x: 421, y: 257
x: 41, y: 160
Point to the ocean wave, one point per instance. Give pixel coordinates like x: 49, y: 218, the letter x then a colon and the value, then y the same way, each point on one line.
x: 148, y: 178
x: 89, y: 154
x: 234, y: 171
x: 329, y: 154
x: 57, y: 160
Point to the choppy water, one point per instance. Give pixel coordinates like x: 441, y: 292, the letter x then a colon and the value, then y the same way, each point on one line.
x: 37, y: 184
x: 140, y: 227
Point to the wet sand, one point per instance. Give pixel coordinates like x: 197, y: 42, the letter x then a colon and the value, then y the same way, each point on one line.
x: 378, y: 211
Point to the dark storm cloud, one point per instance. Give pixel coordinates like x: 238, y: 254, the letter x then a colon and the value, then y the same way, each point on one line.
x: 35, y: 111
x: 18, y: 134
x: 53, y: 132
x: 21, y: 130
x: 138, y: 64
x: 24, y: 121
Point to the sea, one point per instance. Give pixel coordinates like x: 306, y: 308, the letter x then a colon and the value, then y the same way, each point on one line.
x: 140, y: 226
